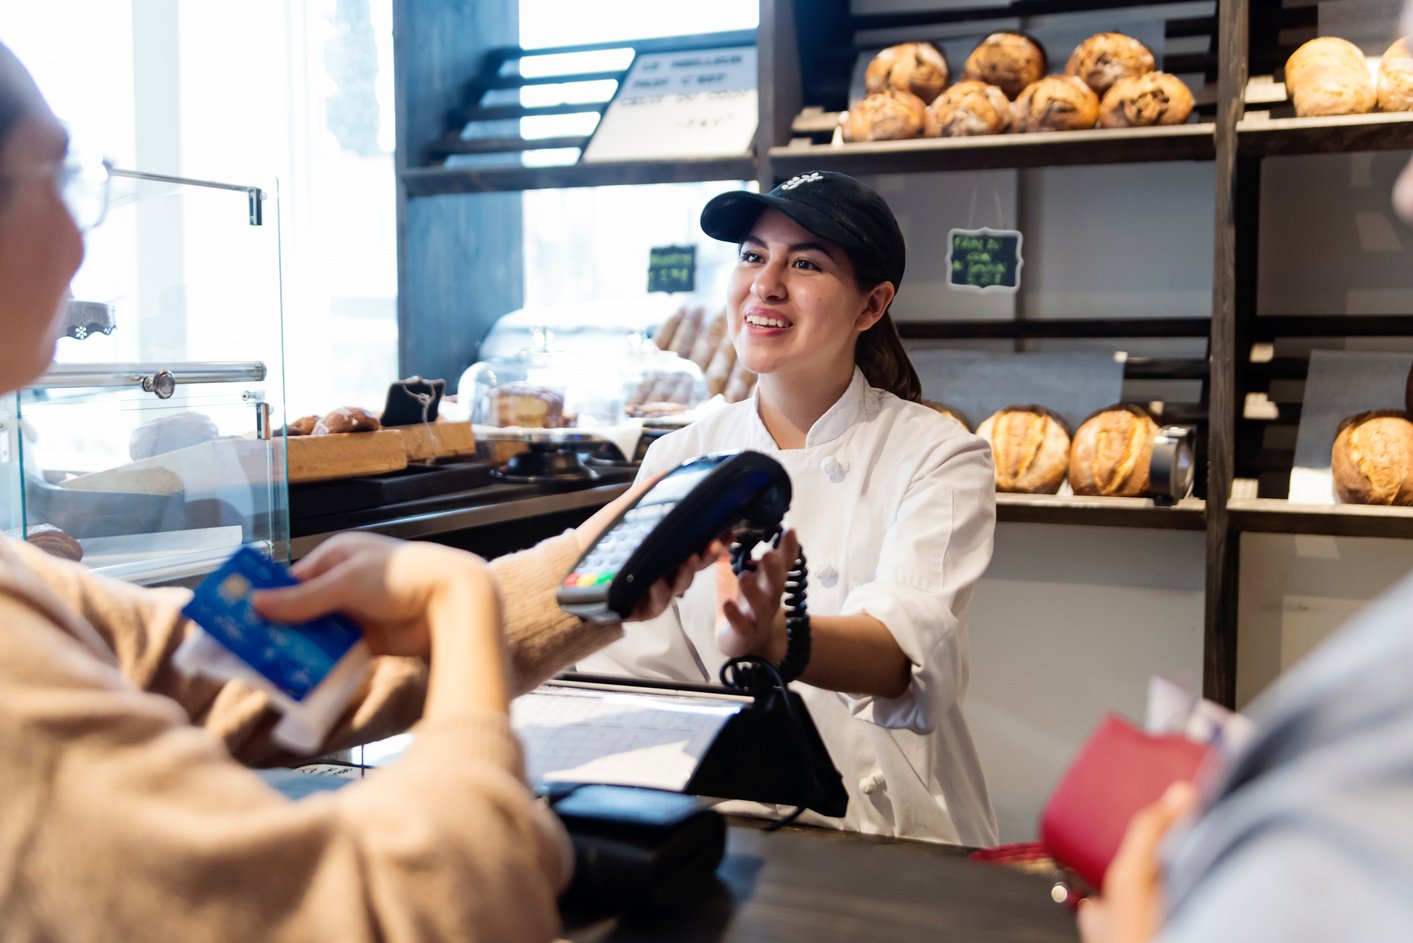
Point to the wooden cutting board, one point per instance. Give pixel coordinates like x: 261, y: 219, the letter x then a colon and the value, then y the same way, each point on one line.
x: 345, y: 455
x: 433, y: 440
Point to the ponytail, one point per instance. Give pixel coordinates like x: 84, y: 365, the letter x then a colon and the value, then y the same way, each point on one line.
x: 884, y: 361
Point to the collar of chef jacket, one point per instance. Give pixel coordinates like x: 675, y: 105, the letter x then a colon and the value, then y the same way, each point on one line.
x: 853, y: 406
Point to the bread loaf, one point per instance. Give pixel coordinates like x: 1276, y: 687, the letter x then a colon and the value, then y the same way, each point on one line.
x: 1111, y: 452
x: 1056, y: 103
x: 1030, y: 446
x: 54, y: 541
x: 1153, y: 98
x: 708, y: 340
x: 951, y: 412
x: 527, y: 406
x: 1329, y: 76
x: 889, y: 115
x: 1372, y: 459
x: 685, y: 337
x: 919, y: 68
x: 1395, y: 89
x: 968, y: 108
x: 1104, y: 58
x: 1010, y: 61
x: 347, y: 419
x: 169, y: 433
x: 718, y: 371
x: 664, y: 335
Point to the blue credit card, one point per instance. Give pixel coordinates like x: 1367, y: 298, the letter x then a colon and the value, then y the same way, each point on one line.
x: 295, y: 658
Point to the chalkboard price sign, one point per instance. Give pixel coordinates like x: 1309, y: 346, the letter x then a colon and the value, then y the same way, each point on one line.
x: 672, y: 268
x: 984, y: 259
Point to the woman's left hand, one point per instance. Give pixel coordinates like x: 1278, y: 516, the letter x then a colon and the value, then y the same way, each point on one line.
x: 751, y: 621
x: 661, y: 593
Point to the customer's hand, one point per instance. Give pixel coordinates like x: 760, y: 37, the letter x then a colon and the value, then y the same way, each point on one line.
x: 751, y: 621
x: 661, y: 593
x: 391, y: 588
x: 1131, y: 910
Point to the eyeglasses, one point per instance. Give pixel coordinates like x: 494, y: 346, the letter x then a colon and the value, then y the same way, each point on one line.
x: 82, y: 181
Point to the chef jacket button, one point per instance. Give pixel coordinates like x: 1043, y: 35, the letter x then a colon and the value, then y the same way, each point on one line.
x: 827, y: 575
x: 833, y: 469
x: 871, y: 783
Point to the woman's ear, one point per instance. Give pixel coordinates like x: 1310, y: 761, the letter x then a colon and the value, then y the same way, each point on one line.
x: 875, y: 305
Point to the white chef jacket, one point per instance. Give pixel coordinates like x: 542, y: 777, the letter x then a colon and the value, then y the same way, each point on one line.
x: 895, y: 508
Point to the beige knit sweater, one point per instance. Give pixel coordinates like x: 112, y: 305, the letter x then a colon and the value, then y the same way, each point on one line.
x: 126, y: 813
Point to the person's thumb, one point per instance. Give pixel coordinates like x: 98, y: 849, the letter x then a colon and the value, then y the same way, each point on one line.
x: 309, y: 600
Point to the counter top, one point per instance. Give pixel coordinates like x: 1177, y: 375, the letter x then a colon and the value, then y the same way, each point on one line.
x: 821, y: 886
x: 494, y: 504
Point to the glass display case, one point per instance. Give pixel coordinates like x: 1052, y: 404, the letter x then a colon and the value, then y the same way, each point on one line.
x: 149, y: 439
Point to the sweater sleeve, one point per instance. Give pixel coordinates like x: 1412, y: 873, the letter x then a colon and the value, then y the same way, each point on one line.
x: 122, y: 821
x: 143, y: 627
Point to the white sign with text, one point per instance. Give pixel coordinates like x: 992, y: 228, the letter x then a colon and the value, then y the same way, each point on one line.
x: 673, y: 104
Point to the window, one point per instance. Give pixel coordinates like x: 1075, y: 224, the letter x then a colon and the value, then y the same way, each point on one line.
x: 298, y: 90
x: 593, y: 243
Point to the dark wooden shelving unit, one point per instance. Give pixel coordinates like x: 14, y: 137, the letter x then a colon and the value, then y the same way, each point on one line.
x: 460, y: 263
x: 1188, y: 514
x: 1001, y: 151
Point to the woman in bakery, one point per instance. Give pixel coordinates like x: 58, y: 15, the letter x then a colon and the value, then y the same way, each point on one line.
x: 893, y: 504
x: 128, y: 813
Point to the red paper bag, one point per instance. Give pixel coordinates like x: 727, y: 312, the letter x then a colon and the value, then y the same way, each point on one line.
x: 1119, y: 770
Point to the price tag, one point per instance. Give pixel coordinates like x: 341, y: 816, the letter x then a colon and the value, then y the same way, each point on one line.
x: 672, y: 104
x: 672, y: 268
x: 984, y: 259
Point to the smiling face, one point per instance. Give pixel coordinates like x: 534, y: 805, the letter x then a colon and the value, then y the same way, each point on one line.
x: 40, y: 247
x: 796, y: 309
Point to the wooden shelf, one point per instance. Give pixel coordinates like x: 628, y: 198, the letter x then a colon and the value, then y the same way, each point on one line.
x: 1272, y: 516
x: 1072, y: 328
x: 997, y: 151
x: 1189, y: 514
x: 434, y: 181
x: 1260, y: 136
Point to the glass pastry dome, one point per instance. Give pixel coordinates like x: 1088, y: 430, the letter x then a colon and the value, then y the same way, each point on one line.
x: 546, y: 386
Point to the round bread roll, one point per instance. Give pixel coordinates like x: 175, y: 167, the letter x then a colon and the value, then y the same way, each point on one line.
x: 1111, y: 452
x: 304, y: 425
x: 1031, y: 448
x: 347, y: 419
x: 1010, y: 61
x: 951, y: 412
x: 1104, y: 58
x: 968, y: 108
x: 170, y: 433
x: 1329, y: 76
x: 1146, y: 100
x: 1056, y: 103
x: 919, y: 68
x: 889, y: 115
x: 1395, y: 91
x: 54, y: 541
x: 1372, y: 459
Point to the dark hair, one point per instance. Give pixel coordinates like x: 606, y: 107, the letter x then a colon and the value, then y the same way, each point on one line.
x: 880, y: 353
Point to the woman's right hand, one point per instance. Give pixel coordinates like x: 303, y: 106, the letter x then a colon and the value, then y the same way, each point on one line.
x: 391, y: 588
x: 415, y: 598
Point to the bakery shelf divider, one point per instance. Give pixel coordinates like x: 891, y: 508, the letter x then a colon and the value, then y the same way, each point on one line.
x: 1274, y: 516
x: 1075, y: 328
x: 1188, y: 514
x: 1183, y: 142
x: 1261, y: 136
x: 434, y: 181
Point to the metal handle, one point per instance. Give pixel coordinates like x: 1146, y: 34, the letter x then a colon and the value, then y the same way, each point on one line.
x: 154, y: 378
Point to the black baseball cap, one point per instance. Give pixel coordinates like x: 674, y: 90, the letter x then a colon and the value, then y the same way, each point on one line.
x: 830, y: 205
